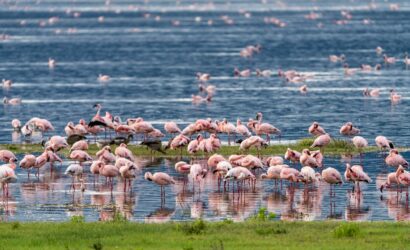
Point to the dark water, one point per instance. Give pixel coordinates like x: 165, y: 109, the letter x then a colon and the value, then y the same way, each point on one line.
x: 152, y: 65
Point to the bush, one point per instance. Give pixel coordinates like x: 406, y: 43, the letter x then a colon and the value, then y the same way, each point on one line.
x: 15, y: 225
x: 77, y: 219
x: 347, y: 230
x: 195, y: 227
x: 263, y: 215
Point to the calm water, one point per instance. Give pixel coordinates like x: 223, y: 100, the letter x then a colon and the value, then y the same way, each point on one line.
x: 152, y: 65
x: 48, y: 198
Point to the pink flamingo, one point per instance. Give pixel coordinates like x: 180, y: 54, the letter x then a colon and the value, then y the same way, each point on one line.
x: 76, y: 171
x: 6, y: 155
x: 391, y: 179
x: 57, y: 143
x: 229, y: 129
x: 242, y: 73
x: 197, y: 173
x: 307, y: 160
x: 274, y: 160
x: 127, y: 172
x: 16, y: 125
x: 109, y: 172
x: 253, y: 141
x: 359, y: 142
x: 403, y: 179
x: 161, y: 179
x: 273, y: 172
x: 240, y: 174
x: 193, y: 146
x: 394, y: 159
x: 264, y: 128
x: 348, y: 130
x: 214, y: 160
x: 321, y: 141
x: 95, y: 168
x: 79, y: 145
x: 80, y: 156
x: 332, y: 177
x: 292, y: 155
x: 172, y: 128
x: 383, y: 143
x: 12, y: 101
x: 124, y: 152
x: 28, y: 162
x: 106, y: 155
x: 242, y: 129
x: 394, y: 96
x: 316, y: 130
x: 7, y: 176
x: 357, y: 175
x: 290, y: 174
x: 221, y: 170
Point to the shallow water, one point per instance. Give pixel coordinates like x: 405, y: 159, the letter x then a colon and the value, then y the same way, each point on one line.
x: 152, y: 65
x: 48, y: 197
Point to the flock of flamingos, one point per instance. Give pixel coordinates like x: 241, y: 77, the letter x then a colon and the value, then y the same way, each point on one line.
x: 236, y: 169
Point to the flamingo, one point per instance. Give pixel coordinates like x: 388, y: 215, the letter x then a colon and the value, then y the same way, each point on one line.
x: 403, y: 179
x: 203, y: 77
x: 389, y: 60
x: 76, y: 171
x: 290, y: 174
x: 394, y: 159
x: 308, y: 175
x: 394, y: 96
x: 7, y: 176
x: 16, y: 125
x: 229, y: 129
x: 273, y: 172
x: 332, y: 177
x: 197, y: 173
x: 109, y: 172
x: 214, y: 160
x: 264, y: 128
x: 321, y: 141
x: 79, y: 145
x: 359, y: 142
x: 28, y: 162
x: 80, y: 156
x: 307, y: 160
x: 12, y: 101
x: 161, y: 179
x: 242, y: 129
x: 391, y: 179
x: 51, y: 62
x: 242, y: 73
x: 357, y: 175
x: 95, y: 167
x: 274, y: 160
x: 292, y: 155
x: 349, y: 130
x: 6, y: 155
x: 127, y: 172
x: 253, y: 141
x: 172, y: 128
x: 240, y: 174
x: 105, y: 155
x: 124, y: 152
x: 316, y: 130
x: 383, y: 143
x: 7, y: 83
x: 103, y: 78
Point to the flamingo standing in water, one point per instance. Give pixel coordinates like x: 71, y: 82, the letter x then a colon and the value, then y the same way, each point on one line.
x: 390, y: 180
x: 76, y: 172
x: 109, y: 172
x: 394, y: 159
x: 273, y: 173
x: 16, y: 125
x: 292, y: 155
x: 128, y: 173
x: 197, y: 174
x: 28, y: 162
x: 7, y: 176
x: 161, y: 179
x: 332, y: 177
x: 357, y: 175
x: 394, y: 96
x: 403, y: 179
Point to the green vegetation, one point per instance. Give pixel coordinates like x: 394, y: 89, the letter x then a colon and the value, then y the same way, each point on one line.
x: 336, y: 147
x: 252, y: 234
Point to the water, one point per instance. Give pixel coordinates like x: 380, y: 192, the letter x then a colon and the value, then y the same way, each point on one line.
x: 48, y: 197
x: 152, y: 65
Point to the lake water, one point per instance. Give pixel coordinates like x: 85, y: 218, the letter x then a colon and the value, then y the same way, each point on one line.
x: 152, y: 65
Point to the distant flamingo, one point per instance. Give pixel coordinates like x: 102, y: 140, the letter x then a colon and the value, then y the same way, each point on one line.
x: 307, y: 160
x: 6, y: 155
x: 80, y: 156
x: 273, y: 172
x: 27, y: 163
x: 7, y: 175
x: 383, y: 143
x: 79, y: 145
x: 123, y: 151
x: 214, y: 160
x: 358, y: 175
x: 403, y: 179
x: 197, y: 173
x: 172, y: 128
x: 349, y: 130
x: 390, y: 180
x: 292, y: 155
x: 76, y: 171
x: 359, y: 142
x: 110, y: 172
x: 242, y: 129
x: 128, y: 173
x: 16, y: 125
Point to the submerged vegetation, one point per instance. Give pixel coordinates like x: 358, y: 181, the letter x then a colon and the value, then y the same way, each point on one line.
x: 252, y: 234
x: 336, y: 147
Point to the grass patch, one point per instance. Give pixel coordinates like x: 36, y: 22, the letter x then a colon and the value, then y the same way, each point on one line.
x: 205, y: 235
x: 347, y: 230
x: 336, y: 147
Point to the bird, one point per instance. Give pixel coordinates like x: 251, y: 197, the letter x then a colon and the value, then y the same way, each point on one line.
x: 12, y: 101
x: 6, y: 155
x: 7, y: 175
x: 160, y: 178
x: 240, y: 174
x: 253, y: 141
x: 128, y: 173
x: 172, y: 128
x: 76, y: 171
x: 273, y: 172
x: 357, y: 175
x: 242, y: 129
x: 274, y: 160
x: 27, y: 163
x: 75, y: 138
x: 80, y: 156
x: 349, y: 130
x: 106, y: 155
x: 182, y: 167
x: 109, y: 172
x: 103, y: 78
x: 390, y: 180
x: 292, y: 155
x: 197, y: 174
x: 332, y: 177
x: 79, y: 145
x: 307, y: 160
x: 290, y: 174
x: 308, y: 175
x: 383, y: 143
x: 316, y: 130
x: 154, y: 146
x: 214, y: 159
x: 321, y: 141
x: 359, y: 142
x: 51, y: 63
x: 123, y: 151
x: 403, y: 179
x: 394, y: 159
x: 16, y: 125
